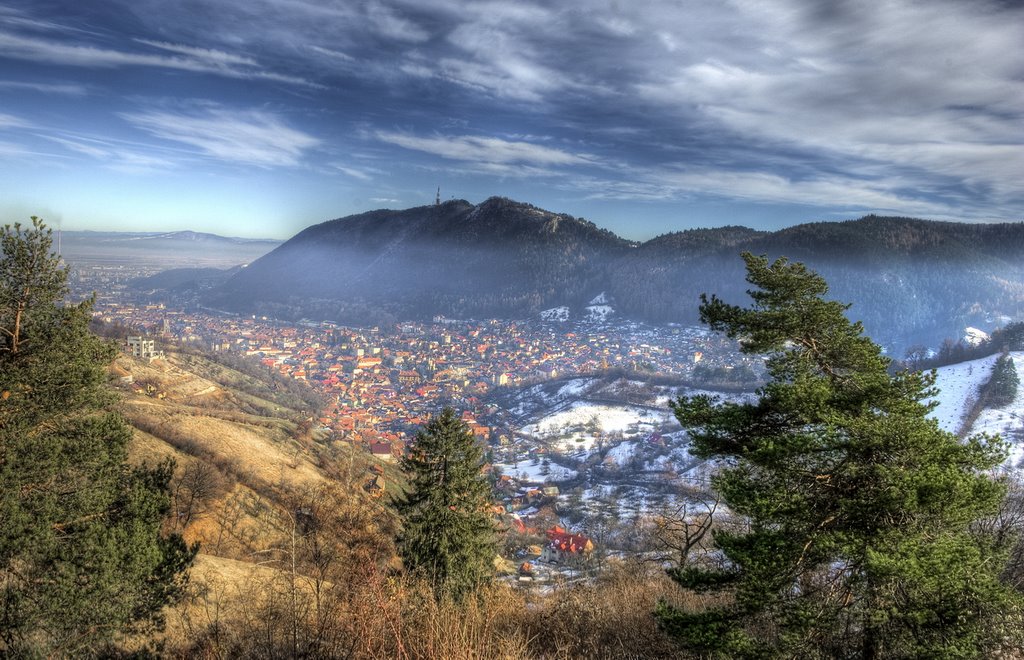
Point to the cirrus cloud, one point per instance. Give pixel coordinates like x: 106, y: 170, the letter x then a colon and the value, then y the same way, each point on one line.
x: 478, y: 149
x: 252, y: 137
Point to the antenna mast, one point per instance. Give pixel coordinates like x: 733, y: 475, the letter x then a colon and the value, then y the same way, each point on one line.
x: 437, y: 200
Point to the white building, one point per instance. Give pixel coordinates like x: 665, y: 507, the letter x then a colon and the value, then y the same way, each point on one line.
x: 142, y: 348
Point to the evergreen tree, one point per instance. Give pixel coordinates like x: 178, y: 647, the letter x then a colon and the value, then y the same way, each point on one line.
x: 448, y: 534
x: 1001, y: 389
x: 82, y: 559
x: 859, y: 508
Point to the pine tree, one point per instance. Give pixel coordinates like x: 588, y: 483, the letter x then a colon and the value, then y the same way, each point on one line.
x: 858, y: 507
x: 82, y: 560
x: 448, y: 534
x: 1001, y: 389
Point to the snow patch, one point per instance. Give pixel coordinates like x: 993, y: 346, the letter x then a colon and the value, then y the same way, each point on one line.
x: 1007, y: 421
x: 975, y: 337
x: 532, y: 472
x: 598, y: 313
x: 560, y: 314
x: 579, y: 426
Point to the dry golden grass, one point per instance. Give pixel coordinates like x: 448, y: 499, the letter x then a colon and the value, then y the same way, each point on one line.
x: 270, y: 455
x: 149, y: 449
x: 247, y: 598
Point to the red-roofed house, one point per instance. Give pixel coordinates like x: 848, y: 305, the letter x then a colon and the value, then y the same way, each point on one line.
x: 563, y: 545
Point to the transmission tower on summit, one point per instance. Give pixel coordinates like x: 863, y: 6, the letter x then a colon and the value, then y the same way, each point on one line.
x: 437, y: 200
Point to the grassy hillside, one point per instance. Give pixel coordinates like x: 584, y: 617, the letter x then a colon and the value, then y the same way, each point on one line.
x: 250, y: 472
x: 298, y: 560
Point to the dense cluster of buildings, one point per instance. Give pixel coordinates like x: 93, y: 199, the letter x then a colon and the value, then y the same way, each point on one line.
x: 382, y: 383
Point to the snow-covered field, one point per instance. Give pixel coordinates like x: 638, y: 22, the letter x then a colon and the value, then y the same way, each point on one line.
x: 959, y: 383
x: 575, y: 426
x: 533, y: 471
x: 958, y: 390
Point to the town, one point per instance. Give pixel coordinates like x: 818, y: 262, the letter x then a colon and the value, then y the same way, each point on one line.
x: 381, y: 384
x: 518, y: 385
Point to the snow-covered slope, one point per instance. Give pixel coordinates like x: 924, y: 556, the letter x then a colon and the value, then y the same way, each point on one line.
x: 599, y: 309
x: 1007, y: 421
x: 958, y: 390
x: 959, y: 385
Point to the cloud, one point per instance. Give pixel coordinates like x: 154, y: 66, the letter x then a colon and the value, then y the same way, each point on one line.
x: 837, y: 193
x: 390, y: 23
x: 208, y: 55
x: 486, y: 150
x: 353, y: 172
x: 903, y: 106
x: 332, y: 54
x: 10, y: 121
x: 115, y: 156
x: 187, y: 58
x: 923, y: 92
x: 251, y: 137
x: 69, y: 89
x: 86, y: 148
x: 13, y: 150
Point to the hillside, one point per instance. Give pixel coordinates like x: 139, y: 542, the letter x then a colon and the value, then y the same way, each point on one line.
x: 256, y: 435
x: 959, y: 387
x: 248, y: 467
x: 298, y: 560
x: 909, y: 280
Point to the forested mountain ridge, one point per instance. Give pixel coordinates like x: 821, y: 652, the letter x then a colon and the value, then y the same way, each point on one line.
x: 499, y: 258
x: 909, y: 280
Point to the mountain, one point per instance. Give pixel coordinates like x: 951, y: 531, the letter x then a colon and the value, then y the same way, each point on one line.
x: 909, y: 280
x: 496, y: 259
x: 149, y: 238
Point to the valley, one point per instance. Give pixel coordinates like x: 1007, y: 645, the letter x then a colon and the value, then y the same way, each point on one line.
x: 572, y: 403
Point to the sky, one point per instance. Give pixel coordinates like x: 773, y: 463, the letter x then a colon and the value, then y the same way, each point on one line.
x: 261, y: 117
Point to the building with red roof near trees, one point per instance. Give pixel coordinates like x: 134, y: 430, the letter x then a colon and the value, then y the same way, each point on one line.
x: 563, y: 545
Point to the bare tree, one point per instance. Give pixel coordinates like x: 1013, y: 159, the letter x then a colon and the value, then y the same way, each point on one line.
x: 679, y: 531
x: 198, y: 484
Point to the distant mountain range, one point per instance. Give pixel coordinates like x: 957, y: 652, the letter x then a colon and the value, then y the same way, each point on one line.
x: 156, y: 238
x: 167, y: 249
x: 909, y: 280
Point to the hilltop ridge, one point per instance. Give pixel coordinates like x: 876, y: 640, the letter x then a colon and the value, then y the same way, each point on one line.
x: 908, y: 279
